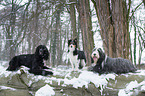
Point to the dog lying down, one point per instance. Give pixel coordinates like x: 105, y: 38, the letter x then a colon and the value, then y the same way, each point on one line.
x: 105, y: 64
x: 33, y: 61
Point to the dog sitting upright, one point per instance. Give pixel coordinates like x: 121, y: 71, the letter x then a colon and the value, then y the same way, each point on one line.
x: 77, y: 58
x: 105, y: 64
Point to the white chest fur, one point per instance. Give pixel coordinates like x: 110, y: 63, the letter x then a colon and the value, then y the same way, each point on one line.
x: 74, y: 61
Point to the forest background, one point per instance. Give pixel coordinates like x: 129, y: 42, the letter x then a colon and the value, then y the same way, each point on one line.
x: 117, y: 26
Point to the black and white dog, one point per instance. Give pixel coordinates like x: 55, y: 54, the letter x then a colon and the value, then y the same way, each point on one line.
x: 105, y: 64
x: 77, y: 58
x: 32, y: 61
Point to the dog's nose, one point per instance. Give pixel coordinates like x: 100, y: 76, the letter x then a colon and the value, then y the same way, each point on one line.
x: 71, y: 46
x: 94, y: 54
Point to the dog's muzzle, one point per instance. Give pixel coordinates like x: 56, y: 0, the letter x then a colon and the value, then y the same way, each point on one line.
x: 95, y: 58
x: 41, y: 51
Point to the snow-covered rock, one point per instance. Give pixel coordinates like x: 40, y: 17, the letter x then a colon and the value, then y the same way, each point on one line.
x: 45, y: 91
x: 70, y: 83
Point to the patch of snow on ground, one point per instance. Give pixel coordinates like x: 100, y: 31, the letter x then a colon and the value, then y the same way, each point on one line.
x: 5, y: 73
x: 143, y: 88
x: 138, y: 72
x: 45, y: 91
x: 132, y: 85
x: 84, y: 78
x: 132, y: 88
x: 87, y: 77
x: 4, y: 87
x: 122, y: 93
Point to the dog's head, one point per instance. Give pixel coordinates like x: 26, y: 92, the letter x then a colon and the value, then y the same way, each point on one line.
x: 97, y: 54
x: 42, y: 52
x: 72, y: 44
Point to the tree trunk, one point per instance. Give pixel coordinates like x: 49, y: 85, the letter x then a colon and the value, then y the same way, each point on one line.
x: 36, y: 34
x: 135, y: 35
x: 73, y: 18
x: 55, y: 39
x: 10, y: 33
x: 86, y: 28
x: 113, y: 21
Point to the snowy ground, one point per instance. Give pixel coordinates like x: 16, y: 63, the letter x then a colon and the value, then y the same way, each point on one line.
x: 65, y: 77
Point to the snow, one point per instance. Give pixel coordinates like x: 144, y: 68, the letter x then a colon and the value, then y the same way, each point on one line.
x: 83, y: 79
x: 131, y: 85
x: 86, y: 77
x: 132, y: 88
x: 143, y: 88
x: 65, y: 77
x: 5, y: 73
x: 138, y: 72
x: 45, y: 91
x: 4, y: 87
x: 2, y: 70
x: 122, y: 93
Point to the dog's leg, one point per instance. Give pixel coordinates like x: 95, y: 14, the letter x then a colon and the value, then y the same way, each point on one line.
x: 45, y: 65
x: 72, y: 65
x: 83, y: 63
x: 40, y: 72
x: 77, y: 65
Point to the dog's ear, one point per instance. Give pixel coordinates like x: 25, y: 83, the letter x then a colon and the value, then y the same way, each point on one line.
x: 75, y: 39
x: 101, y: 53
x: 100, y: 50
x: 46, y: 53
x: 94, y: 50
x: 92, y: 60
x: 37, y: 52
x: 69, y: 42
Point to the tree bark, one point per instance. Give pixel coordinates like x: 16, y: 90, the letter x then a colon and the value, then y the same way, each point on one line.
x: 55, y: 39
x: 114, y: 24
x: 73, y: 18
x: 86, y: 28
x: 36, y: 35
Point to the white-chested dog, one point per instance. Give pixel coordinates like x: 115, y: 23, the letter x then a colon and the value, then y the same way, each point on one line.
x: 77, y: 58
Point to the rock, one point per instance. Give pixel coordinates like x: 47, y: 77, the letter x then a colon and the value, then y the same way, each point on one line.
x: 67, y: 83
x: 16, y: 92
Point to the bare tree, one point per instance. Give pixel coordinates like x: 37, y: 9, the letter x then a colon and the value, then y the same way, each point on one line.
x: 113, y: 18
x: 86, y: 27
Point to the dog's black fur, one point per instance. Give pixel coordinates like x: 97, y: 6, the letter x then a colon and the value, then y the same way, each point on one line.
x: 32, y: 61
x: 117, y: 65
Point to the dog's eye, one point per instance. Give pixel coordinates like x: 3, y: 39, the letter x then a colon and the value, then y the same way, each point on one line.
x: 44, y: 49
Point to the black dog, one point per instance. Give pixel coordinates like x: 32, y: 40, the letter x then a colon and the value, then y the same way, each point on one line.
x: 32, y: 61
x: 106, y: 64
